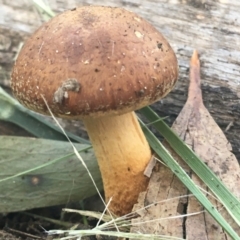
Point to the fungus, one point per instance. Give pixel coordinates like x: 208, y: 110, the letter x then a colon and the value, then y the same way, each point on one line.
x: 100, y: 93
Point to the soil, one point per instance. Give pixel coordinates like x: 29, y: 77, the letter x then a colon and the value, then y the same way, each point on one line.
x: 22, y: 226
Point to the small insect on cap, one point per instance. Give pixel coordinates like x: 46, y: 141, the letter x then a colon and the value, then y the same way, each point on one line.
x: 91, y: 60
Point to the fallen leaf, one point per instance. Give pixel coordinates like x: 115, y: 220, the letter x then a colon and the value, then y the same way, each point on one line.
x: 167, y: 196
x: 63, y: 181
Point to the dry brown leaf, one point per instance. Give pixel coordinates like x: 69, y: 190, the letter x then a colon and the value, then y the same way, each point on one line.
x: 199, y: 130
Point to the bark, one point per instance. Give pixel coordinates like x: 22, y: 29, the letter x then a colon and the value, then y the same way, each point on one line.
x: 211, y: 27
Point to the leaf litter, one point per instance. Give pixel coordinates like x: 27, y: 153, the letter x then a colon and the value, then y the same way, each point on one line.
x: 166, y: 198
x: 41, y: 173
x: 198, y: 129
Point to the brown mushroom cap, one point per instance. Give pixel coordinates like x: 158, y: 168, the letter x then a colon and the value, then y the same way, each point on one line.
x: 92, y: 60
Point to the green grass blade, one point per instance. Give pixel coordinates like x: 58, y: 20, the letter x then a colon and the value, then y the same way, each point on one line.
x: 230, y: 202
x: 186, y: 180
x: 216, y: 186
x: 59, y: 175
x: 77, y: 234
x: 47, y: 164
x: 12, y: 111
x: 45, y: 10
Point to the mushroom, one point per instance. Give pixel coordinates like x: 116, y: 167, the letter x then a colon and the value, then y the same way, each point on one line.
x: 100, y: 64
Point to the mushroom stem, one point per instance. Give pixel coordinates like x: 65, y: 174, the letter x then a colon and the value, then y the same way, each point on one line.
x: 123, y: 153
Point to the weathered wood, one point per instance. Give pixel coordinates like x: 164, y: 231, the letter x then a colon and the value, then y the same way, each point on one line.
x: 200, y: 132
x: 212, y: 27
